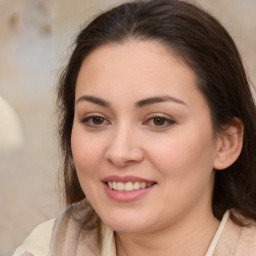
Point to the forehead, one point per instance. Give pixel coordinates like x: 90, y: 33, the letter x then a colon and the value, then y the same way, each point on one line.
x: 135, y: 68
x: 131, y: 57
x: 133, y: 53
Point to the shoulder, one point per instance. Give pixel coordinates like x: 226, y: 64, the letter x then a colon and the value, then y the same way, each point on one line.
x: 236, y: 239
x: 70, y: 233
x: 38, y: 241
x: 62, y: 235
x: 247, y: 240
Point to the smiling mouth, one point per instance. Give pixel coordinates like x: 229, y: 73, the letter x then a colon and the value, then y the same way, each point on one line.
x: 128, y: 186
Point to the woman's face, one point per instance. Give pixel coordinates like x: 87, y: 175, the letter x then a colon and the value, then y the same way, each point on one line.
x: 142, y: 139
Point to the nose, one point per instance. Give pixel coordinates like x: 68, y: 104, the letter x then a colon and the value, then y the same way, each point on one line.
x: 124, y: 147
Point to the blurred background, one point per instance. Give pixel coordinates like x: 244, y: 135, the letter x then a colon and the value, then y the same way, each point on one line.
x: 35, y: 40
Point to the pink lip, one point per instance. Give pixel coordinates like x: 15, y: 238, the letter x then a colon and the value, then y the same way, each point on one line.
x: 125, y: 179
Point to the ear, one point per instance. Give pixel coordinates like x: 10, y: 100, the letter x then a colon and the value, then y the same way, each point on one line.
x: 229, y: 144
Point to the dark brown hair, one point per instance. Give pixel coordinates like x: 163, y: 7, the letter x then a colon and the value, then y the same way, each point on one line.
x: 207, y: 48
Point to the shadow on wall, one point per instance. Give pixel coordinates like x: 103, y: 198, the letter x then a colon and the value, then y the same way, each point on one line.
x: 11, y: 134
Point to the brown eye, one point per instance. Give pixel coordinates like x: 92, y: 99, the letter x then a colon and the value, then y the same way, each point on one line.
x: 159, y: 121
x: 97, y: 120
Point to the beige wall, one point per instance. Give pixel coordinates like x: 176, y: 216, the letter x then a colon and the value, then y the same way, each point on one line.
x: 34, y: 38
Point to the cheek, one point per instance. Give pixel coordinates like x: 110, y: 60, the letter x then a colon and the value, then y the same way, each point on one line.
x: 87, y: 152
x: 185, y: 169
x: 184, y: 156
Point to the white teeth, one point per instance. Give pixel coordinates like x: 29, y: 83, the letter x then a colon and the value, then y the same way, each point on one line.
x: 128, y: 186
x: 143, y: 185
x: 110, y: 184
x: 120, y: 186
x: 136, y: 185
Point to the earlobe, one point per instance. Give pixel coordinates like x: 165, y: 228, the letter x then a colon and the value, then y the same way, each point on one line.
x: 229, y: 144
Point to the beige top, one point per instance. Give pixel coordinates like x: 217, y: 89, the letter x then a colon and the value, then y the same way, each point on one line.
x: 38, y: 242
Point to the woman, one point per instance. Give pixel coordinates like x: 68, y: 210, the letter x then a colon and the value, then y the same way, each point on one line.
x: 158, y: 132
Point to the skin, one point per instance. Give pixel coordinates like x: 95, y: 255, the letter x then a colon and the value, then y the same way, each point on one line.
x: 178, y: 152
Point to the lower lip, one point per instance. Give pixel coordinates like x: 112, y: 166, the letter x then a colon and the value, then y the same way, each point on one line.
x: 126, y: 196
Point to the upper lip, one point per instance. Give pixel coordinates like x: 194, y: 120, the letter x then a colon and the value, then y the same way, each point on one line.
x: 125, y: 179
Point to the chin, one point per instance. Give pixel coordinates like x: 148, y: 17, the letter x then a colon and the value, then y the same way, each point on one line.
x: 126, y: 223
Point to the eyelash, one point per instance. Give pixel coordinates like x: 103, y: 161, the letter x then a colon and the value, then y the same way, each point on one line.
x: 166, y: 122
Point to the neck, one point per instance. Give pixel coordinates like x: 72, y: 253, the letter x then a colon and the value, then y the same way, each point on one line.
x: 191, y: 236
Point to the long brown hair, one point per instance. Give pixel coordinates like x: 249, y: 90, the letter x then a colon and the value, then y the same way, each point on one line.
x: 207, y: 48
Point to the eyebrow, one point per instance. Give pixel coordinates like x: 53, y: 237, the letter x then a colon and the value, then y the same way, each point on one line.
x: 139, y: 104
x: 154, y: 100
x: 94, y: 100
